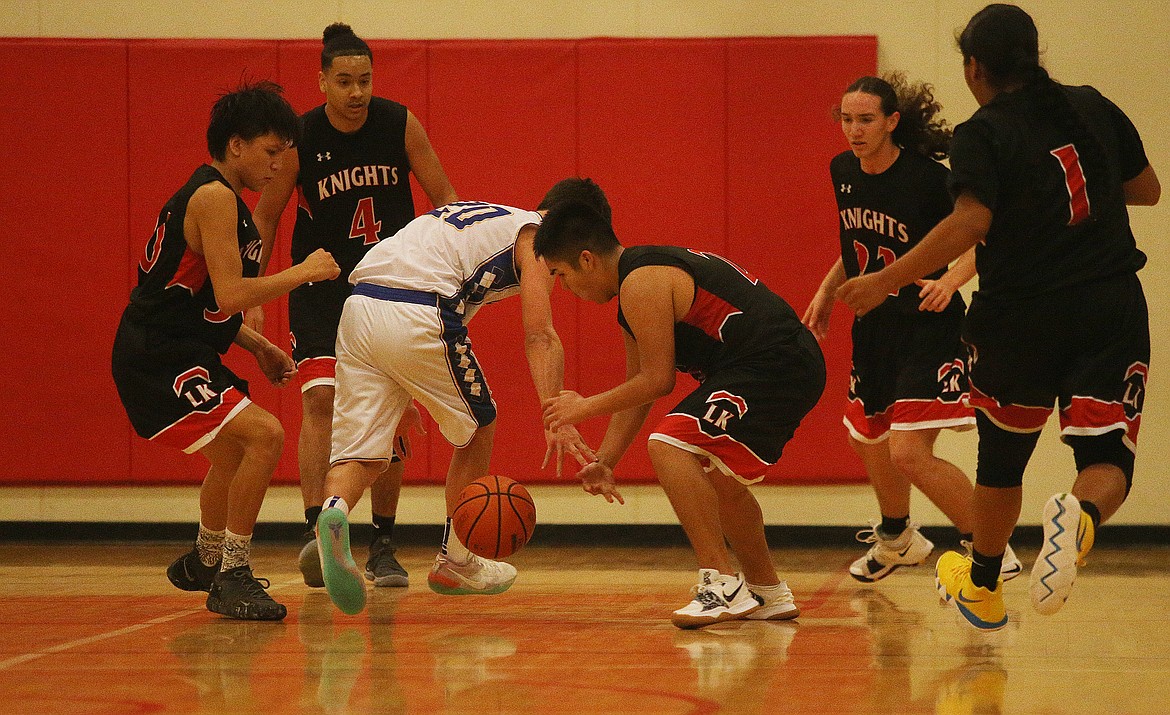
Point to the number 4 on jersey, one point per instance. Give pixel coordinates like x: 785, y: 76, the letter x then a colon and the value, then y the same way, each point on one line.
x: 364, y: 225
x: 1074, y: 181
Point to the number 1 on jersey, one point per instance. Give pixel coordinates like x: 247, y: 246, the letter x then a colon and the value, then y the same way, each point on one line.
x: 364, y: 225
x: 1074, y: 181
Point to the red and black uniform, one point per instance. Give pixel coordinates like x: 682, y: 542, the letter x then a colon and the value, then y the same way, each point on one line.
x: 760, y: 370
x: 1060, y: 315
x: 909, y: 366
x: 353, y: 191
x: 166, y: 361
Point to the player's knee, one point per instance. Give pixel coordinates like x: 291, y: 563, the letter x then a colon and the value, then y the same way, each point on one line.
x: 1003, y: 455
x: 317, y: 404
x: 265, y: 438
x: 1108, y: 448
x: 911, y: 459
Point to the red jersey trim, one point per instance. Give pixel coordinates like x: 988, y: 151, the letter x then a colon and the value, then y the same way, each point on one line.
x: 709, y: 312
x: 317, y: 371
x: 195, y: 430
x: 730, y: 456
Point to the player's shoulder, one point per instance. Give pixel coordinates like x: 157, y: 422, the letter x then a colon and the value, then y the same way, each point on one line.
x: 211, y: 196
x: 846, y: 161
x: 387, y: 107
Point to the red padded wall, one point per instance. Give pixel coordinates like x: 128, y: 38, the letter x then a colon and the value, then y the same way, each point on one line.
x: 63, y: 254
x: 719, y: 144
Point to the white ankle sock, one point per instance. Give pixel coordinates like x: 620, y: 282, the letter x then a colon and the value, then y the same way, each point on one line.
x: 236, y: 550
x: 336, y: 502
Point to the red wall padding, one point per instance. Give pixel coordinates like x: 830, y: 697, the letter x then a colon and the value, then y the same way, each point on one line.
x: 719, y: 144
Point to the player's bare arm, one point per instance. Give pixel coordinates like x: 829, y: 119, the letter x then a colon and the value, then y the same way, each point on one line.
x: 543, y: 348
x: 276, y: 364
x: 966, y: 226
x: 936, y: 295
x: 1143, y: 189
x: 425, y: 164
x: 816, y: 316
x: 273, y: 200
x: 652, y: 298
x: 210, y: 227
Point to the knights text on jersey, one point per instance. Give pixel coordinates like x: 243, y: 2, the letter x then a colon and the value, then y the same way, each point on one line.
x: 1016, y: 156
x: 463, y: 252
x: 882, y: 216
x: 174, y: 295
x: 734, y: 317
x: 353, y: 189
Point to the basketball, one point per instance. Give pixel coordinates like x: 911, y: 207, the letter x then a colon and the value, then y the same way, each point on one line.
x: 495, y: 517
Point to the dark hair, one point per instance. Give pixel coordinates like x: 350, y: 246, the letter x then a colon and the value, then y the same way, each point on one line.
x: 919, y: 127
x: 580, y: 190
x: 339, y: 40
x: 252, y: 110
x: 1003, y: 39
x: 571, y: 227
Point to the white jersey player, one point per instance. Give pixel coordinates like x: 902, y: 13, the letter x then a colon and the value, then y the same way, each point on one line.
x: 403, y: 337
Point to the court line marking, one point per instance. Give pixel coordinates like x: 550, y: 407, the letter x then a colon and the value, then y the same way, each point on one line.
x: 25, y: 658
x: 18, y: 660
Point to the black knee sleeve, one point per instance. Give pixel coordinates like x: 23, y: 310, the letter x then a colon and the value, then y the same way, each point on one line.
x: 1105, y: 448
x: 1003, y: 455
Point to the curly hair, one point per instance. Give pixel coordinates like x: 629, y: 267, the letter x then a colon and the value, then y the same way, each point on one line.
x: 920, y: 128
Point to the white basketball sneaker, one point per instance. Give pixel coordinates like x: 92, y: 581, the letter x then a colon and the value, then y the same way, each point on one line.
x: 909, y: 548
x: 718, y: 597
x: 778, y: 603
x: 477, y: 576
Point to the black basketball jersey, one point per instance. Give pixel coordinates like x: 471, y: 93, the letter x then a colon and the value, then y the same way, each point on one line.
x: 882, y: 216
x: 174, y: 295
x: 354, y: 189
x: 1021, y: 163
x: 734, y: 319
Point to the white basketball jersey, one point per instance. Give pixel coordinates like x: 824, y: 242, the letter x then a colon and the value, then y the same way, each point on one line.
x: 463, y: 251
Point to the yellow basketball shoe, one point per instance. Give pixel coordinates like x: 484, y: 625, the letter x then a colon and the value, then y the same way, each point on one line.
x: 983, y: 608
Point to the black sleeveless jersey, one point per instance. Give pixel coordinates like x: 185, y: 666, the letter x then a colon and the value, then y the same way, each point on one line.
x: 174, y: 295
x: 1022, y: 164
x: 734, y: 318
x: 353, y: 189
x: 882, y: 216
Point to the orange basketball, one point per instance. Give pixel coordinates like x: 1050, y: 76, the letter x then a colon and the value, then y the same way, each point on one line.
x: 495, y: 517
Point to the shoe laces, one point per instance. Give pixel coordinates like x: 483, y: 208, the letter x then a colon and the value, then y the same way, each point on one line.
x: 253, y: 587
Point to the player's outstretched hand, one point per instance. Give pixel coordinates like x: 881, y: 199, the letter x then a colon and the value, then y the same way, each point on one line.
x: 816, y: 316
x: 565, y: 408
x: 863, y: 293
x: 566, y: 439
x: 935, y: 295
x: 276, y: 364
x: 411, y: 422
x: 320, y: 266
x: 596, y: 478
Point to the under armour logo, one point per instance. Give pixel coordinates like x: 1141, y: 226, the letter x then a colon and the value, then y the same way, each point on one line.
x: 845, y: 188
x: 324, y: 157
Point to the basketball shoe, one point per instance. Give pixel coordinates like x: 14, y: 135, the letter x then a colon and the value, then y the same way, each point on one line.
x: 239, y: 594
x: 382, y: 568
x: 718, y: 597
x: 190, y: 574
x: 909, y: 548
x: 983, y: 608
x: 478, y: 575
x: 777, y: 603
x: 1011, y: 563
x: 342, y: 578
x: 1068, y: 537
x: 309, y: 562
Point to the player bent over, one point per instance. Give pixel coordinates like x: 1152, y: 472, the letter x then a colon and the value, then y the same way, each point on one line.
x: 760, y: 371
x: 403, y: 336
